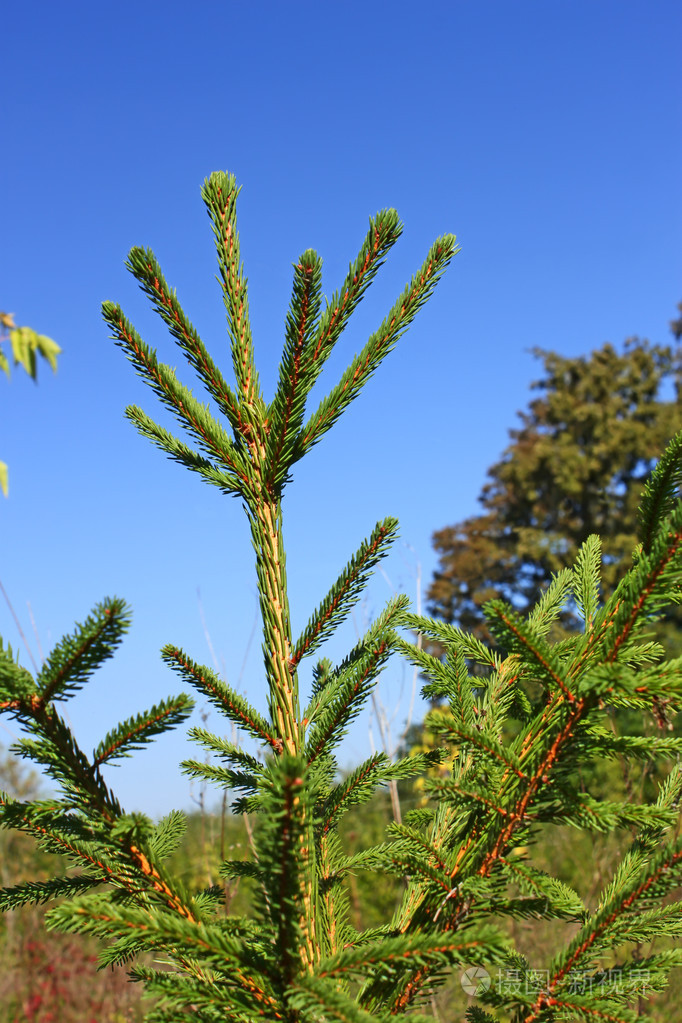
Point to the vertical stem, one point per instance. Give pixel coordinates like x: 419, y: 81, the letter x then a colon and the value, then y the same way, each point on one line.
x: 266, y: 531
x: 311, y: 951
x: 329, y: 903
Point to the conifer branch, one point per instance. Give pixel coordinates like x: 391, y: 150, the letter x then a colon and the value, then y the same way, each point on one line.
x: 639, y: 596
x: 213, y: 946
x: 65, y: 835
x: 226, y: 750
x: 174, y: 395
x: 312, y: 996
x: 626, y: 686
x: 661, y: 493
x: 628, y: 889
x: 421, y: 851
x: 220, y: 193
x: 479, y: 799
x: 334, y: 931
x: 560, y: 899
x: 551, y: 602
x: 108, y: 830
x: 605, y: 744
x: 457, y: 731
x: 37, y: 892
x: 228, y: 482
x: 589, y: 1008
x: 549, y: 746
x: 72, y: 661
x: 587, y: 580
x: 446, y: 633
x: 175, y: 993
x: 285, y: 413
x: 143, y: 264
x: 344, y: 593
x: 134, y: 733
x: 33, y: 818
x: 378, y: 346
x: 384, y: 231
x: 167, y: 834
x: 233, y: 705
x: 56, y: 748
x: 441, y: 678
x: 411, y: 961
x: 352, y: 682
x: 519, y: 638
x: 223, y: 776
x: 18, y: 691
x: 476, y: 1015
x: 360, y: 785
x: 349, y: 695
x: 390, y: 956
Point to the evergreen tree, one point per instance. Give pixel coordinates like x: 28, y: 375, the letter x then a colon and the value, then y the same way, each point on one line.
x: 676, y: 325
x: 576, y: 466
x: 462, y: 862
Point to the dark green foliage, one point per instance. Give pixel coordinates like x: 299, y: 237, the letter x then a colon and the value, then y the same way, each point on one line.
x: 505, y: 792
x: 457, y: 868
x: 660, y: 493
x: 343, y: 595
x: 134, y: 733
x: 348, y: 686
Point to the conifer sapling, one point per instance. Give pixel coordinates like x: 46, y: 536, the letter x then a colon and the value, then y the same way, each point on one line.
x: 519, y: 729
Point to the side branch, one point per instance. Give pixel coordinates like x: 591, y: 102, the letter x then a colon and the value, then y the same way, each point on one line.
x: 144, y: 266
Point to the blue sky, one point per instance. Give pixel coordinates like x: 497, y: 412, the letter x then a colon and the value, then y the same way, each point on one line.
x: 546, y: 135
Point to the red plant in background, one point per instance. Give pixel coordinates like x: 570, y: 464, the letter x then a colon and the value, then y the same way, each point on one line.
x: 49, y: 978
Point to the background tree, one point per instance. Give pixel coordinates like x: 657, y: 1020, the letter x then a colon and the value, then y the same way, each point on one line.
x: 676, y: 325
x: 576, y: 466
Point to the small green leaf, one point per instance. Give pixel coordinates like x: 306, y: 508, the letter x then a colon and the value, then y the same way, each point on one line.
x: 22, y: 350
x: 49, y: 350
x: 26, y: 342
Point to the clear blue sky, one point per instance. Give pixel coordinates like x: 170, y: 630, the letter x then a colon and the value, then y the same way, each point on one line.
x: 546, y: 135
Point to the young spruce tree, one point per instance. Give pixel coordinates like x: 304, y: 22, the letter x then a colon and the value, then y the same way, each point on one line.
x: 466, y: 858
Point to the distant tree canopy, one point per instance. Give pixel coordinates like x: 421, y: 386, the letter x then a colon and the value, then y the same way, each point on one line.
x: 576, y: 466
